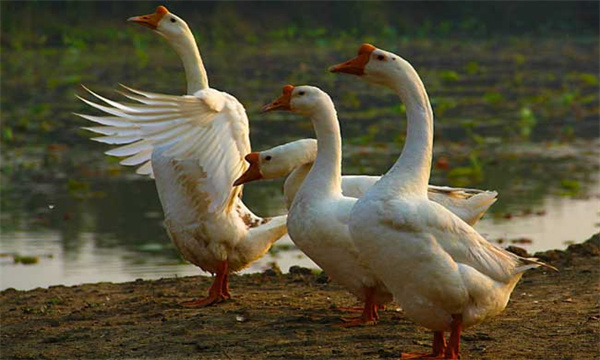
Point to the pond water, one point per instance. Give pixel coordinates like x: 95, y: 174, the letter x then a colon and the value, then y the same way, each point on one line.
x: 515, y: 115
x: 110, y: 229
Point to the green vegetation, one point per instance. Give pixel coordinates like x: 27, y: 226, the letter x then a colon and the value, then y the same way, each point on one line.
x: 25, y: 260
x: 449, y: 76
x: 493, y: 97
x: 463, y: 176
x: 570, y: 187
x: 526, y: 122
x: 483, y: 68
x: 496, y: 81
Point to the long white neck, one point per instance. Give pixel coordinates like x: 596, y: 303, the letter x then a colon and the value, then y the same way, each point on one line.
x: 325, y: 177
x: 195, y: 74
x: 411, y: 172
x: 294, y: 181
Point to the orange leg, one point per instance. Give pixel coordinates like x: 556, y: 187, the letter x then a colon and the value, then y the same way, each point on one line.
x: 374, y: 311
x: 369, y: 314
x: 225, y: 286
x: 439, y: 348
x: 358, y: 309
x: 439, y: 344
x: 453, y: 350
x: 218, y: 292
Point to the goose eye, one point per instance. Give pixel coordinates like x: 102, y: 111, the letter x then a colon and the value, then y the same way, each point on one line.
x: 268, y: 157
x: 173, y: 20
x: 380, y: 57
x: 301, y: 93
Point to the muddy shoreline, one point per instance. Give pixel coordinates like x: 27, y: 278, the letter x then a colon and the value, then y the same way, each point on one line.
x: 292, y: 316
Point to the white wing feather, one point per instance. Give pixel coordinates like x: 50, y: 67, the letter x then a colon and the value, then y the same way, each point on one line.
x: 459, y: 240
x: 209, y: 128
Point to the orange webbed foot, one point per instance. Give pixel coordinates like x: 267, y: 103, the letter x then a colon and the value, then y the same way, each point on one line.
x: 218, y: 292
x: 420, y: 355
x: 356, y: 321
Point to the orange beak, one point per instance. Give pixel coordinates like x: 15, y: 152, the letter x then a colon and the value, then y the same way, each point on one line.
x: 283, y: 102
x: 151, y: 20
x: 253, y: 172
x: 357, y: 65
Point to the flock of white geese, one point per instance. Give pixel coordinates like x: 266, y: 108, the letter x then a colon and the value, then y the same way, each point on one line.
x: 381, y: 238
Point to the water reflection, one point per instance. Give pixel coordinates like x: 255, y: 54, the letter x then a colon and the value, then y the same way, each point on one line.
x: 99, y: 221
x: 562, y: 221
x: 90, y: 262
x: 103, y: 228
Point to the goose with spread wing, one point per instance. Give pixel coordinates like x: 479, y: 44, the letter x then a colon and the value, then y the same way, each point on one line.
x: 194, y: 147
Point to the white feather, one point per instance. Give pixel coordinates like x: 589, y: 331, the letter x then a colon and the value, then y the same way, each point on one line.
x: 206, y: 127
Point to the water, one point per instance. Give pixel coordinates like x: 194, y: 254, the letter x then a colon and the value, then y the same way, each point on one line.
x: 109, y: 228
x: 565, y: 221
x: 87, y: 219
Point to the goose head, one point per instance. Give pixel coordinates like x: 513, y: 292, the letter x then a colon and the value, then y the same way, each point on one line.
x: 279, y: 161
x: 165, y: 23
x: 373, y: 65
x: 303, y: 100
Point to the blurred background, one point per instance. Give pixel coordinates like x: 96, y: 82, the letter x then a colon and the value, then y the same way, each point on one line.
x: 514, y: 87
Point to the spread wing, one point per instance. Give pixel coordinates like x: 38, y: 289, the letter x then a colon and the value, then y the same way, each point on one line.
x: 208, y: 129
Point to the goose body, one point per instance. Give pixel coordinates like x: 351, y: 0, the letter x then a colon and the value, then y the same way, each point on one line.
x: 194, y: 147
x: 295, y: 159
x: 443, y: 274
x: 318, y: 215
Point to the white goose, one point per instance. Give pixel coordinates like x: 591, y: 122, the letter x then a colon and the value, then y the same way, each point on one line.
x: 443, y: 274
x: 296, y: 159
x: 318, y: 217
x: 194, y: 146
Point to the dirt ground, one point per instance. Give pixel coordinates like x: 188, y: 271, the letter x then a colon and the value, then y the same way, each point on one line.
x: 550, y: 316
